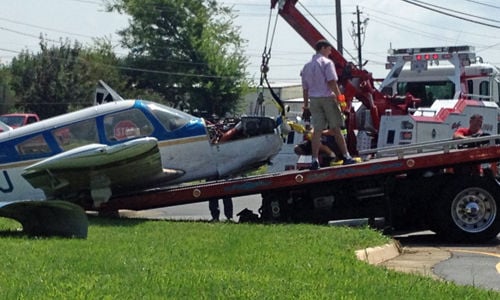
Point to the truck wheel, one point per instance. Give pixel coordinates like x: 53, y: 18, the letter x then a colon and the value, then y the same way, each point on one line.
x: 468, y: 210
x: 274, y: 207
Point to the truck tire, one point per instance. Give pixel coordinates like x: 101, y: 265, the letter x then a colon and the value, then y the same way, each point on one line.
x: 468, y: 210
x: 274, y: 207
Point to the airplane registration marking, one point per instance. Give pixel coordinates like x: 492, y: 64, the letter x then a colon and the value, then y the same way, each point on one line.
x: 10, y: 187
x: 497, y: 266
x: 6, y: 185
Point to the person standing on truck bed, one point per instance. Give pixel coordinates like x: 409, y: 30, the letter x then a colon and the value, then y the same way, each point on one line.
x: 319, y: 85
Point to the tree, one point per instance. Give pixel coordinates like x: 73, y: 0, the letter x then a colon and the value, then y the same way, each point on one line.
x: 188, y: 51
x: 61, y: 78
x: 6, y: 94
x: 48, y: 82
x: 103, y: 64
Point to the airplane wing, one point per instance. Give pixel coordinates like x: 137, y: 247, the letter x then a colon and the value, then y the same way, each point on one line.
x: 95, y: 170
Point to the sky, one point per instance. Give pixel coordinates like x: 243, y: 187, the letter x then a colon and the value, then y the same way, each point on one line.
x: 386, y: 23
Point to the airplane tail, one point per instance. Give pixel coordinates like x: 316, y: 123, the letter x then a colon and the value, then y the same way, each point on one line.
x: 104, y: 93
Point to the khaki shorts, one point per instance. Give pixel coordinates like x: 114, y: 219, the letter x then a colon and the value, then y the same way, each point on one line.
x: 325, y: 113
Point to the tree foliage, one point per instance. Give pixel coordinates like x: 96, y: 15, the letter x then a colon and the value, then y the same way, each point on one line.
x: 6, y: 93
x: 188, y: 51
x: 61, y: 78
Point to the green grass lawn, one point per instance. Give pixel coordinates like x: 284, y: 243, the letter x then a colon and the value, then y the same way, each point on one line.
x: 136, y: 259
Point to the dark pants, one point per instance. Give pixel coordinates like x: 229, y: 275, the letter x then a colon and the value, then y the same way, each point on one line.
x: 213, y: 205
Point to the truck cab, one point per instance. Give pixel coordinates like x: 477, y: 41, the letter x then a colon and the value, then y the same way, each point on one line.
x: 451, y: 83
x: 432, y: 74
x: 15, y: 120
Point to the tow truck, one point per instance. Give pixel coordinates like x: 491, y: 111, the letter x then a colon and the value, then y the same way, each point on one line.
x: 415, y: 186
x: 410, y: 187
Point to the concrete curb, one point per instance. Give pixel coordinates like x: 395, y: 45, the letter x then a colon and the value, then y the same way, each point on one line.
x: 379, y: 254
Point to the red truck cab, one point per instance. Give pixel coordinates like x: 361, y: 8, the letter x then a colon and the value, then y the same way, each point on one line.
x: 15, y: 120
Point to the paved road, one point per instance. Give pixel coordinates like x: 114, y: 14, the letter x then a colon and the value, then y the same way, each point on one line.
x: 471, y: 267
x: 422, y: 252
x: 197, y: 211
x: 474, y: 265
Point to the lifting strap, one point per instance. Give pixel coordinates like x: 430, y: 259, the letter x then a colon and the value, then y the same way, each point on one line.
x: 264, y: 68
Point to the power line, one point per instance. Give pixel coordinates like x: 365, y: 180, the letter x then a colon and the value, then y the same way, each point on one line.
x: 323, y: 27
x: 456, y: 11
x: 448, y: 14
x: 45, y: 28
x: 401, y: 27
x: 396, y: 17
x: 87, y: 1
x: 431, y: 35
x: 485, y: 4
x: 8, y: 50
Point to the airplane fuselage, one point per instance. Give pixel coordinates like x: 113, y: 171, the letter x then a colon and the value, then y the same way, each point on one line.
x: 183, y: 142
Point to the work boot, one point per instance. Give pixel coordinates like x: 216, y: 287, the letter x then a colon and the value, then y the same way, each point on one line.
x: 349, y: 161
x: 314, y: 165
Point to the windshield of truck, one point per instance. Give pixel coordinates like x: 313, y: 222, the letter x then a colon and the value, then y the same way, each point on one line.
x: 12, y: 121
x: 427, y: 91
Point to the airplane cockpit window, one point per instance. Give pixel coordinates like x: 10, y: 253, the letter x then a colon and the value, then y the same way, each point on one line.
x: 126, y: 125
x: 76, y: 135
x: 170, y: 118
x: 34, y: 145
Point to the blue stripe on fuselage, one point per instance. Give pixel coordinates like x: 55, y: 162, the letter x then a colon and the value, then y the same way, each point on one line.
x: 8, y: 154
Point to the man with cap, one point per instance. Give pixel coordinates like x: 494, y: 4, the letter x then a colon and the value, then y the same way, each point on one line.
x: 320, y: 91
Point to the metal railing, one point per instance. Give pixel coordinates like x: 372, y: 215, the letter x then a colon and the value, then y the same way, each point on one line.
x: 432, y: 146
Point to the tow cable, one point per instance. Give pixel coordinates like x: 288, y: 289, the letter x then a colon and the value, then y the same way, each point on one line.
x: 264, y: 68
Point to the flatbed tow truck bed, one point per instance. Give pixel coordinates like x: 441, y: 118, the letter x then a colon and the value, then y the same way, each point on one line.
x: 407, y: 185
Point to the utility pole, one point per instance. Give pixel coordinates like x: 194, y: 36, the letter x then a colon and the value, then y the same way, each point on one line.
x: 338, y: 12
x: 361, y: 29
